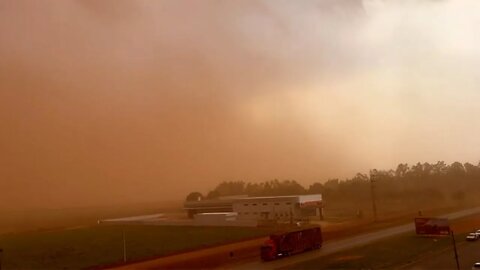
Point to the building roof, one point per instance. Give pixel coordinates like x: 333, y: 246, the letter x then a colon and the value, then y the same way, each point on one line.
x: 208, y: 204
x: 297, y: 198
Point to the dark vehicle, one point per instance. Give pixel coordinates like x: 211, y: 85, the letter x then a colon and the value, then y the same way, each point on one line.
x: 286, y: 244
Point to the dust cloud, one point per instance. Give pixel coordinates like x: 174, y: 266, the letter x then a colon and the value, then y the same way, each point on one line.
x: 133, y: 101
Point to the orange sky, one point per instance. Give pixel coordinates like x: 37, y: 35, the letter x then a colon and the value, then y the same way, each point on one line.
x: 132, y: 101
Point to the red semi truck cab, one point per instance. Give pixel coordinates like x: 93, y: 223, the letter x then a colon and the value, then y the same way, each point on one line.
x: 289, y: 243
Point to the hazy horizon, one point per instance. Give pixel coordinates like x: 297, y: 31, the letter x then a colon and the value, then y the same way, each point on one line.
x: 132, y: 101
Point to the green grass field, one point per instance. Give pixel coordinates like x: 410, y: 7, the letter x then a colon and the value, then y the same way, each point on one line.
x: 386, y: 254
x: 101, y: 245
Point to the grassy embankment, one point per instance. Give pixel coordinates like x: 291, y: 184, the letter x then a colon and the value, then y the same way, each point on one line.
x: 101, y: 245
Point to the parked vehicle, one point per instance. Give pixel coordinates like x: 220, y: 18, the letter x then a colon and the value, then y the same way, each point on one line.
x: 472, y: 237
x: 476, y: 266
x: 286, y: 244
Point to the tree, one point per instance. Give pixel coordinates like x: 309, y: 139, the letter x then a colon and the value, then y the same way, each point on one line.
x: 316, y: 188
x: 231, y: 188
x: 253, y: 189
x: 471, y: 170
x: 332, y: 184
x: 289, y: 187
x: 417, y: 170
x: 194, y: 196
x: 427, y: 169
x: 402, y: 170
x: 360, y: 177
x: 456, y: 170
x: 440, y: 168
x: 421, y: 183
x: 213, y: 194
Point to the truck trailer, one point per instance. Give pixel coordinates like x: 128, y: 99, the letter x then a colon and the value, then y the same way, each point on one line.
x: 289, y: 243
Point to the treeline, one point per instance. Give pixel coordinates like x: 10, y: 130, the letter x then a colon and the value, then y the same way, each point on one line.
x: 421, y: 182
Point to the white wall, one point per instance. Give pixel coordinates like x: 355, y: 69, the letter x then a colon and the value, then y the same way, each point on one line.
x: 257, y: 210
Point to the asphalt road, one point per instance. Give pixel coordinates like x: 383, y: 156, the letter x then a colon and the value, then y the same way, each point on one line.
x: 345, y: 244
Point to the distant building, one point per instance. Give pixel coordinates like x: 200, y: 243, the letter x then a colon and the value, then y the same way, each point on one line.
x: 282, y: 208
x: 273, y: 208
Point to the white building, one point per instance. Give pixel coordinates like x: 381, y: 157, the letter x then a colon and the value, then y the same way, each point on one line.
x: 281, y: 208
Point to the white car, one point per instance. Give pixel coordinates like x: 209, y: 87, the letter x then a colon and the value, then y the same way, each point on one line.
x: 478, y: 232
x: 476, y: 266
x: 472, y: 237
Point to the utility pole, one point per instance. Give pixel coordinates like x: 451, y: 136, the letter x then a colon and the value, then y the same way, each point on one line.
x: 124, y: 247
x: 455, y: 249
x: 372, y: 189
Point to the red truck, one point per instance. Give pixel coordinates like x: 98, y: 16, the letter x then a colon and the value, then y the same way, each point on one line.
x: 289, y: 243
